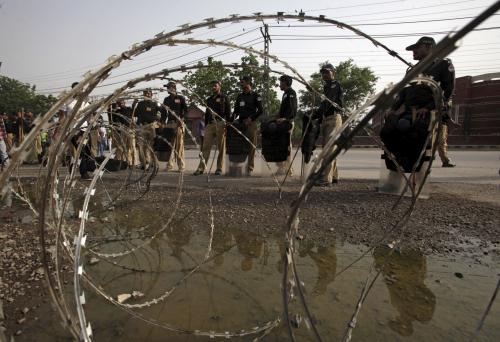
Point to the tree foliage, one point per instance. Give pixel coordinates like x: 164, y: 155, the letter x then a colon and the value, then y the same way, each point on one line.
x: 358, y: 83
x: 15, y: 95
x: 200, y: 80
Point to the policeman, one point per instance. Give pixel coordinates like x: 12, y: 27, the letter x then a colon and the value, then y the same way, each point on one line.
x: 121, y: 118
x: 288, y: 111
x: 420, y: 96
x: 87, y: 163
x: 215, y: 127
x: 176, y: 103
x: 247, y: 109
x: 329, y: 116
x: 147, y: 113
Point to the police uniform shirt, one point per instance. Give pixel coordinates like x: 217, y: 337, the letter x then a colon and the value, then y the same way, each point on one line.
x: 12, y: 125
x: 333, y: 92
x: 420, y: 95
x: 219, y: 104
x: 121, y: 115
x: 288, y: 107
x: 146, y: 112
x: 177, y: 104
x: 248, y: 105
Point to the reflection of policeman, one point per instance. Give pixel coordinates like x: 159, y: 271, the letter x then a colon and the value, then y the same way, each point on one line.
x: 248, y: 108
x: 404, y: 275
x: 179, y: 237
x: 288, y: 111
x: 177, y: 104
x: 326, y: 261
x: 420, y: 96
x: 215, y: 128
x: 331, y: 119
x: 250, y: 247
x: 221, y: 244
x: 146, y: 112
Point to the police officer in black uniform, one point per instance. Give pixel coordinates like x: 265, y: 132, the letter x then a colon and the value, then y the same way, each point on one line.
x: 288, y: 111
x: 329, y: 116
x: 247, y: 109
x: 147, y: 112
x: 215, y: 127
x: 419, y: 96
x: 121, y: 118
x: 177, y: 104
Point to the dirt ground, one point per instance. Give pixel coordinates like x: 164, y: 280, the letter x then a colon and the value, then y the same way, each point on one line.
x: 457, y: 219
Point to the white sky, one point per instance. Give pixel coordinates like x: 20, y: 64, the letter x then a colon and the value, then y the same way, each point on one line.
x: 52, y: 43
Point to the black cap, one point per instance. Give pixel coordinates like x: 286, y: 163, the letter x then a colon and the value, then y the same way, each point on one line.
x: 170, y: 85
x: 423, y: 40
x: 326, y: 66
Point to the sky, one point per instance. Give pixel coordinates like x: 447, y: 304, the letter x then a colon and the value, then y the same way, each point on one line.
x: 52, y: 43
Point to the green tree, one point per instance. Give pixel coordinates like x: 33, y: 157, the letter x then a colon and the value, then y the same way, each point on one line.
x: 251, y: 67
x: 200, y: 80
x: 15, y: 95
x: 358, y: 84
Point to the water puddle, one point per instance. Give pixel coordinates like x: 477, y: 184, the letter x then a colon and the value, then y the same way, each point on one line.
x: 416, y: 297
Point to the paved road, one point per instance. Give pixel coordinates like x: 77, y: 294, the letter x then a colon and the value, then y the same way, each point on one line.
x: 472, y: 166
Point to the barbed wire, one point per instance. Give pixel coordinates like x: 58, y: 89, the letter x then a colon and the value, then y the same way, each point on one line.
x: 54, y: 196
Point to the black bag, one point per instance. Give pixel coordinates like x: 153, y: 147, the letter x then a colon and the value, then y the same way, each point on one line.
x: 164, y: 137
x: 406, y: 140
x: 87, y: 164
x: 237, y: 147
x: 310, y: 135
x: 112, y: 165
x: 276, y: 141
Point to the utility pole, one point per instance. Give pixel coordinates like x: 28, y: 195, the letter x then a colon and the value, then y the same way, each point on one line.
x: 266, y: 93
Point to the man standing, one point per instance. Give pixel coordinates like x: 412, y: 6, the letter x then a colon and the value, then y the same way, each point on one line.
x: 288, y: 110
x: 3, y: 146
x: 329, y: 116
x: 147, y: 113
x: 443, y: 72
x: 247, y: 109
x: 87, y: 163
x: 218, y: 110
x: 175, y: 103
x: 121, y: 118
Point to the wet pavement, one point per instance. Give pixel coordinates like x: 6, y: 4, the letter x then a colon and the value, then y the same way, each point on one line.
x: 416, y: 297
x: 421, y: 294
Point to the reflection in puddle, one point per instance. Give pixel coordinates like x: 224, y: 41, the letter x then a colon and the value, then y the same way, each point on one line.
x: 240, y: 288
x: 404, y: 274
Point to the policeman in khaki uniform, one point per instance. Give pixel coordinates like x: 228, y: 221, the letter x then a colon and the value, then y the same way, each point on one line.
x: 288, y: 111
x: 147, y: 113
x: 177, y: 104
x: 247, y: 109
x: 215, y: 128
x: 330, y: 119
x: 443, y: 72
